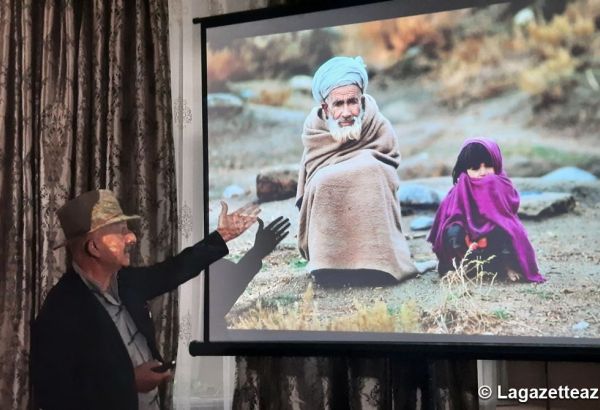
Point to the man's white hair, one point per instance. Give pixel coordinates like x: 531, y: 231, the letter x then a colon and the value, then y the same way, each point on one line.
x: 349, y: 132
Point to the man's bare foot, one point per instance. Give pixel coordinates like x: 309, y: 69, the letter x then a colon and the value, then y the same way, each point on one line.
x: 513, y: 275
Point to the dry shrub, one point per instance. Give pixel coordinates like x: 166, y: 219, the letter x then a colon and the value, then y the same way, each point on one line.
x: 301, y: 316
x: 221, y: 65
x: 305, y: 316
x: 548, y: 76
x: 365, y: 319
x: 478, y: 68
x: 382, y: 43
x: 409, y: 317
x: 276, y: 97
x: 268, y: 92
x: 554, y: 43
x: 564, y: 30
x: 459, y: 311
x: 541, y: 58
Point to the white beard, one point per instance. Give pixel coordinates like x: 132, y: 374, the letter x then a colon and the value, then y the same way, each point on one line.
x: 347, y: 133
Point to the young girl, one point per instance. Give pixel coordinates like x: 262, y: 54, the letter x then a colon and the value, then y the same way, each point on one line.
x: 480, y: 213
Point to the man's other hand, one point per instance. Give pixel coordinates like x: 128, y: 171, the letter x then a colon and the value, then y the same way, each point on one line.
x: 232, y: 225
x: 146, y: 379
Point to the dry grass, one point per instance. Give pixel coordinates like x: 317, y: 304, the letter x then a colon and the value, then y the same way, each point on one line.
x: 541, y: 58
x: 276, y: 97
x: 470, y: 71
x: 460, y: 310
x: 221, y: 65
x: 304, y: 315
x: 554, y: 44
x: 300, y: 316
x: 382, y: 43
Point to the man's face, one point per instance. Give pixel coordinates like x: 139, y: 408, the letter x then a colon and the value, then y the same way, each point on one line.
x: 344, y: 109
x: 112, y: 245
x: 343, y: 104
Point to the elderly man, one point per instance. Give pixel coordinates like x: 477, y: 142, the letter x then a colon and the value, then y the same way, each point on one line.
x: 349, y: 215
x: 93, y: 344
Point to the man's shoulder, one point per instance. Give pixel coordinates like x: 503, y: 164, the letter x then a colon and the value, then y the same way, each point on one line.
x: 63, y: 299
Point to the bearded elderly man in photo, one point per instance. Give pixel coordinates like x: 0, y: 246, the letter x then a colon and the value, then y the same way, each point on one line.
x: 349, y: 216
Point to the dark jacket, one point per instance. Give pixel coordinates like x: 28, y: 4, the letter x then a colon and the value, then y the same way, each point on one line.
x: 78, y: 359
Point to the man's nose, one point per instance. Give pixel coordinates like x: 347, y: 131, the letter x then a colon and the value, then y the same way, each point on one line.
x: 130, y: 238
x: 346, y: 111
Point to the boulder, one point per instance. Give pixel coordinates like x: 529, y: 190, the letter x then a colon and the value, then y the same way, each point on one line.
x: 417, y: 196
x: 302, y: 84
x: 421, y: 223
x: 422, y: 166
x: 277, y: 115
x: 224, y: 104
x: 233, y: 191
x: 524, y: 17
x: 544, y: 204
x: 426, y: 266
x: 523, y: 166
x: 570, y: 174
x: 276, y: 184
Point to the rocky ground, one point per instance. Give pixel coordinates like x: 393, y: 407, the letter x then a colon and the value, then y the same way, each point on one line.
x: 565, y: 238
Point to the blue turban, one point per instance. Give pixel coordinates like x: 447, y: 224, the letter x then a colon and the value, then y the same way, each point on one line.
x: 337, y: 72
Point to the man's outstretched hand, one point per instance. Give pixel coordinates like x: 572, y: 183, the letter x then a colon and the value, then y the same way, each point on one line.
x: 268, y: 237
x: 232, y: 225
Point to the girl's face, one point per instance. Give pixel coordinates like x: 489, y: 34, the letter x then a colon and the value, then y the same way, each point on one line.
x: 480, y: 172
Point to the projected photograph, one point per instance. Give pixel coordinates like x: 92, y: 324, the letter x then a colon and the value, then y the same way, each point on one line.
x: 433, y: 174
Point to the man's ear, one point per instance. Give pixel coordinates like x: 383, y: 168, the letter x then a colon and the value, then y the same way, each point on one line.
x: 91, y: 249
x: 324, y: 108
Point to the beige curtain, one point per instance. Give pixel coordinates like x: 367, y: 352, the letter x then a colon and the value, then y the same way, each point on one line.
x: 84, y: 103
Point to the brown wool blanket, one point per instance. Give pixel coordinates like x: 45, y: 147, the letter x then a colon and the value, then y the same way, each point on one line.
x: 349, y: 214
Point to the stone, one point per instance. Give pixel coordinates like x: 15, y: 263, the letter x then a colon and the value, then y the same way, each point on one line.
x: 233, y: 191
x: 224, y: 104
x: 426, y: 266
x: 570, y: 174
x: 581, y: 325
x: 301, y: 83
x: 278, y: 183
x: 417, y: 196
x: 524, y: 17
x: 545, y: 204
x: 422, y: 166
x: 421, y: 223
x: 523, y: 166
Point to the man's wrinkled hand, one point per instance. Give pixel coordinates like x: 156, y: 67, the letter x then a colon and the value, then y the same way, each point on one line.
x: 268, y: 237
x: 232, y: 225
x: 146, y: 379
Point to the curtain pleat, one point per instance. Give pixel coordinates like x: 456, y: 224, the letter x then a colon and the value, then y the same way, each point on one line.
x: 84, y: 104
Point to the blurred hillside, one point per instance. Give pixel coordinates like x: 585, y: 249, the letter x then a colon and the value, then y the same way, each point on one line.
x: 549, y: 50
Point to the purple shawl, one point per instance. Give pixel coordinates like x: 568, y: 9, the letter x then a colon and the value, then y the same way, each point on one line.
x: 479, y: 206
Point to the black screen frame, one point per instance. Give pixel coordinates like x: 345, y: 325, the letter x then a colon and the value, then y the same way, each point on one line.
x: 525, y: 348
